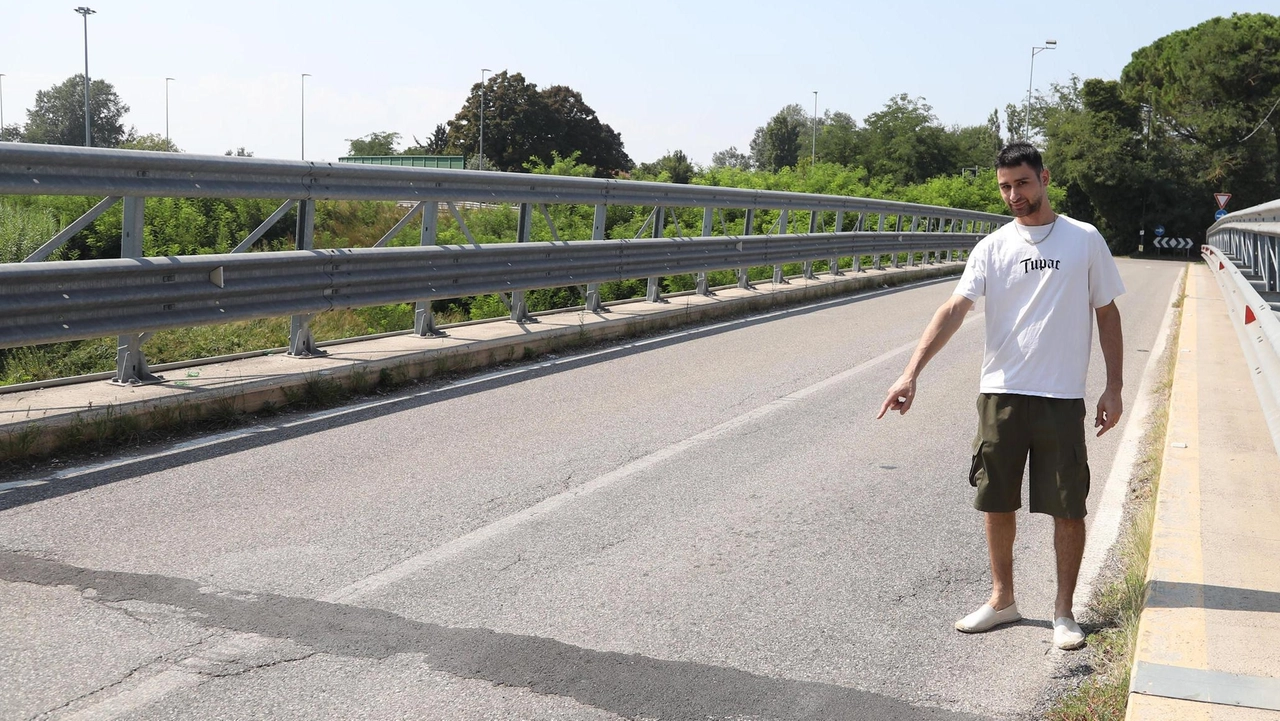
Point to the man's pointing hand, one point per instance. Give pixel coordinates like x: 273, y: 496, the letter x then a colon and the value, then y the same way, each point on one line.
x: 901, y: 394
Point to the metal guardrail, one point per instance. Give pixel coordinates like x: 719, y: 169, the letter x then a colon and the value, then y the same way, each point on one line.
x: 1248, y: 241
x: 1252, y: 236
x: 43, y: 302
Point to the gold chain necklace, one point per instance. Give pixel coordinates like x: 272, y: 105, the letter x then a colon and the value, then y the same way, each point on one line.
x: 1028, y: 239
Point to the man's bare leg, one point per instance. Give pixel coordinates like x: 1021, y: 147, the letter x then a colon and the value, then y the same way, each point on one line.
x: 1068, y: 545
x: 1001, y: 530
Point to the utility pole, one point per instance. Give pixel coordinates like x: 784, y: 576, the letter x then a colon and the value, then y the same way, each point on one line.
x: 166, y: 107
x: 482, y: 72
x: 1036, y: 50
x: 813, y: 155
x: 1, y: 104
x: 86, y: 12
x: 304, y: 114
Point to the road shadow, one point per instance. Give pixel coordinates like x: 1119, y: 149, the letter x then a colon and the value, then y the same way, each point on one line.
x: 268, y: 431
x: 1174, y: 594
x: 629, y: 685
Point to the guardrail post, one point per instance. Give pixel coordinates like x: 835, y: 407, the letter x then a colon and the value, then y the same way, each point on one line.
x: 813, y: 228
x: 834, y: 261
x: 653, y: 293
x: 708, y: 226
x: 593, y: 304
x: 424, y: 321
x: 784, y: 221
x: 131, y: 363
x: 744, y: 280
x: 301, y: 343
x: 858, y: 228
x: 519, y: 308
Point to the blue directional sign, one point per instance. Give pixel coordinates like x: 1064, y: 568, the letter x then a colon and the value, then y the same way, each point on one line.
x: 1218, y: 215
x: 1159, y: 231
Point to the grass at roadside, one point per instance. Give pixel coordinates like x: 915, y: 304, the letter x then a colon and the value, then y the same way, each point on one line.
x: 1118, y: 605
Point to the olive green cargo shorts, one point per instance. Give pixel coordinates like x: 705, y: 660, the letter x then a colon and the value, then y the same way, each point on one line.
x: 1051, y: 430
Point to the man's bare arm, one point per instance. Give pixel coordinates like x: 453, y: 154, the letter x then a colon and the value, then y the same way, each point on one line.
x: 1110, y: 404
x: 946, y: 321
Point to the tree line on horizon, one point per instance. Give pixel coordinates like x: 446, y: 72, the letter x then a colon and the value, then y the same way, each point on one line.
x: 1192, y: 114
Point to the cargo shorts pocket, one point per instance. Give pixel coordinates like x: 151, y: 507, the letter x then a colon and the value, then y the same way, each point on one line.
x: 975, y: 466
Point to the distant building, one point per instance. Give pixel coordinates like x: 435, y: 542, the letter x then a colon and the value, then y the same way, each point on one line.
x: 456, y: 162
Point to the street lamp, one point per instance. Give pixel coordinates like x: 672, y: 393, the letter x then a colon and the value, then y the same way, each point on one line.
x: 86, y: 12
x: 1035, y: 50
x: 1, y: 106
x: 813, y: 155
x: 304, y: 114
x: 482, y: 72
x: 166, y: 108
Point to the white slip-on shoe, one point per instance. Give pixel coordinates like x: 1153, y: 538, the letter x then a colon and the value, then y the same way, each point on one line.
x: 987, y: 618
x: 1067, y: 634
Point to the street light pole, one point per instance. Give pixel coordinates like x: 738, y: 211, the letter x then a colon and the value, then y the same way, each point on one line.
x: 166, y: 108
x: 1, y: 106
x: 86, y: 12
x: 304, y: 114
x: 482, y: 72
x: 1035, y: 50
x: 813, y: 155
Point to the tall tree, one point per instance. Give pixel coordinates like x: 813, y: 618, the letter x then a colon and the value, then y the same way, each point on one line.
x: 840, y: 140
x: 374, y: 143
x: 57, y: 118
x: 731, y: 157
x: 776, y: 144
x: 521, y: 123
x: 673, y: 167
x: 151, y: 141
x: 1216, y: 87
x: 437, y: 144
x: 579, y: 130
x: 905, y: 143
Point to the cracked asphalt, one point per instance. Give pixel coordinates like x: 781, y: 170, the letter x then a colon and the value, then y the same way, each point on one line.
x: 709, y: 526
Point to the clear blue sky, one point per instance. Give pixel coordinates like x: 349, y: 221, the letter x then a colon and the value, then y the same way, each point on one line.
x: 695, y: 76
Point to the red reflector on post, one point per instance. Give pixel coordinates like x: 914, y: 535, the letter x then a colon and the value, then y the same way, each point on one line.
x: 1249, y: 317
x: 1221, y: 266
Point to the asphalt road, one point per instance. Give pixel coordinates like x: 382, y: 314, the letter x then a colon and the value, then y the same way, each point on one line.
x: 705, y: 525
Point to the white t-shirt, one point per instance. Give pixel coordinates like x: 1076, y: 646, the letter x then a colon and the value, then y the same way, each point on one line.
x: 1040, y: 301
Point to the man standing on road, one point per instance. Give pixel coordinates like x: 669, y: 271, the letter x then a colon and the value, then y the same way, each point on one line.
x: 1042, y: 276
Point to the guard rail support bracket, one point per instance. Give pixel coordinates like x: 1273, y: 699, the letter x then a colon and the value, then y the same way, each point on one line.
x: 520, y: 309
x: 302, y: 344
x: 744, y: 279
x: 784, y: 226
x: 424, y: 318
x: 592, y: 296
x: 701, y: 287
x: 653, y: 290
x: 131, y: 364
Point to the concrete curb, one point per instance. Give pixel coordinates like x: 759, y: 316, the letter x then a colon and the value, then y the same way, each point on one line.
x: 1208, y: 636
x: 40, y: 421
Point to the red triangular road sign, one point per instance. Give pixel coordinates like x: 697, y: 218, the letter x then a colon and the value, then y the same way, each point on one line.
x: 1222, y: 199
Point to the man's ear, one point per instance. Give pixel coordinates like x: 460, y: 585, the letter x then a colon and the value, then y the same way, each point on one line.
x: 1044, y: 176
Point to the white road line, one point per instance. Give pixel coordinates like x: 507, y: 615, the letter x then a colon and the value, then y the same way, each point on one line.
x: 412, y: 565
x: 176, y: 677
x: 229, y: 436
x: 1106, y: 521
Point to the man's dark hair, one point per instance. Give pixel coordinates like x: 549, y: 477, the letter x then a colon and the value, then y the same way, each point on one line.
x: 1020, y: 153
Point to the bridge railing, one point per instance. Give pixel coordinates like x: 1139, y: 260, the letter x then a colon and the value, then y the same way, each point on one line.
x: 1242, y: 244
x: 131, y: 297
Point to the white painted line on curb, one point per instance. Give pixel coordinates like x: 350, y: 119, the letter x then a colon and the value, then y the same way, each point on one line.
x: 1106, y: 522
